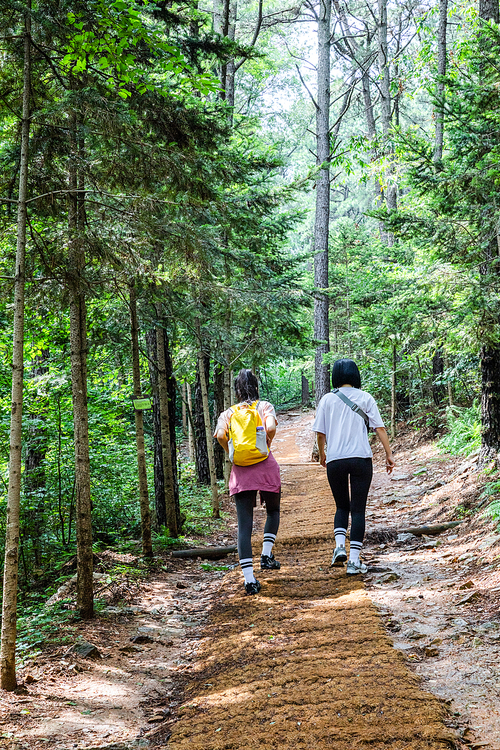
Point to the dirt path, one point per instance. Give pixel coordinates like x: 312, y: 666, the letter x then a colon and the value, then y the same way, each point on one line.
x: 306, y: 663
x: 310, y: 662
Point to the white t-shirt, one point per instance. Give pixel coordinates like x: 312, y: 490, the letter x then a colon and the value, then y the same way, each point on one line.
x: 346, y: 433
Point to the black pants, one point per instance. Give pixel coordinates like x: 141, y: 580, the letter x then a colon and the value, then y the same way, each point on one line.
x: 359, y: 471
x: 245, y: 503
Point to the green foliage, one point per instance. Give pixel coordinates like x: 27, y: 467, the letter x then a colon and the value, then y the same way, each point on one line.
x: 40, y: 626
x: 464, y: 431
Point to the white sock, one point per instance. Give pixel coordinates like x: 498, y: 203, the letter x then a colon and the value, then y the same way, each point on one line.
x: 267, y: 547
x: 355, y: 551
x: 340, y: 535
x: 247, y: 569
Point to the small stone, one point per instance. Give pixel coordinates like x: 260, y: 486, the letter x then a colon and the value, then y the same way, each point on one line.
x: 399, y: 477
x: 180, y: 585
x: 86, y: 650
x: 468, y: 585
x: 414, y: 635
x: 389, y: 577
x: 470, y: 598
x: 389, y: 501
x: 29, y: 679
x: 142, y: 639
x: 405, y: 537
x: 156, y: 718
x: 431, y: 651
x: 130, y: 649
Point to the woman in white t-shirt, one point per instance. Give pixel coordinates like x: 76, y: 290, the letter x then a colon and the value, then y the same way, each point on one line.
x: 348, y: 457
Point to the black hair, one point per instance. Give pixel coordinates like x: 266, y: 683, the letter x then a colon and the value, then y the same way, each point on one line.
x: 246, y: 386
x: 345, y: 371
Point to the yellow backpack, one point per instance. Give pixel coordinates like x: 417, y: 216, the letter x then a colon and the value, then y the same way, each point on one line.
x: 247, y: 435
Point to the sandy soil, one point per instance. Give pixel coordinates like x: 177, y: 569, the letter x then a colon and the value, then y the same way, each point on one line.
x: 310, y: 661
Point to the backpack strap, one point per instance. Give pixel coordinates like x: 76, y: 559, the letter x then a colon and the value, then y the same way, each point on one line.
x: 354, y: 407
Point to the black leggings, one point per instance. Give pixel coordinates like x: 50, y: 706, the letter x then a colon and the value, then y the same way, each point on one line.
x: 245, y: 503
x: 360, y: 472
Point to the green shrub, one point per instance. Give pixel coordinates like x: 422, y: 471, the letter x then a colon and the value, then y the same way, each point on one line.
x: 464, y: 430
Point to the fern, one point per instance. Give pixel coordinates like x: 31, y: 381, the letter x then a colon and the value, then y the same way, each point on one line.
x: 464, y: 430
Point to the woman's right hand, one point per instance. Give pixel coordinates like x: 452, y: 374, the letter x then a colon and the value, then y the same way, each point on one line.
x: 389, y: 463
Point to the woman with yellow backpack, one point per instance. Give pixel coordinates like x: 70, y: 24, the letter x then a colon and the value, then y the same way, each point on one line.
x: 246, y: 432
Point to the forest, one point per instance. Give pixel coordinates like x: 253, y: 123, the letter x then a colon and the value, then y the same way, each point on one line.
x: 191, y: 188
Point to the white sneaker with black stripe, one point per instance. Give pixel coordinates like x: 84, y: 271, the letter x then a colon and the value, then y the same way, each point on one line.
x: 339, y: 557
x: 355, y: 568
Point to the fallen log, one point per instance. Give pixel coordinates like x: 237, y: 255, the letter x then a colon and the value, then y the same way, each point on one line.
x: 206, y: 553
x: 429, y: 530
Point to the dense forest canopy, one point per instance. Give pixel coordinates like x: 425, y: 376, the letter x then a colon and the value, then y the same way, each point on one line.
x: 189, y: 188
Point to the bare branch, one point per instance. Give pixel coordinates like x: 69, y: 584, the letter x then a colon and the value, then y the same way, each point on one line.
x: 306, y: 88
x: 255, y: 35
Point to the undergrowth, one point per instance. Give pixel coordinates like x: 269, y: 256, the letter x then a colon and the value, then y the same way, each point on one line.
x: 464, y: 430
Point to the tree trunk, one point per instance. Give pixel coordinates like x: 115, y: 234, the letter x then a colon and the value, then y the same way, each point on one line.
x: 441, y: 69
x: 79, y: 349
x: 322, y: 218
x: 202, y: 465
x: 488, y: 10
x: 393, y: 393
x: 208, y: 434
x: 9, y: 607
x: 147, y: 546
x: 172, y: 409
x: 227, y: 405
x: 305, y: 390
x: 219, y: 452
x: 191, y: 445
x: 168, y: 470
x: 490, y: 353
x: 385, y: 101
x: 159, y: 478
x: 36, y: 449
x: 184, y: 417
x: 449, y: 387
x: 438, y: 390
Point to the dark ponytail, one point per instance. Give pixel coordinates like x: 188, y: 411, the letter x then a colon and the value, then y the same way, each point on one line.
x: 246, y: 386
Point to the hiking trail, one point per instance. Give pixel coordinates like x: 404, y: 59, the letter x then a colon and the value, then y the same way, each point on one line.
x: 307, y: 662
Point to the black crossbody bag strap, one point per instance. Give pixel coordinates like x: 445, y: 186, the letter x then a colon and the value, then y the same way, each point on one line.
x: 352, y: 406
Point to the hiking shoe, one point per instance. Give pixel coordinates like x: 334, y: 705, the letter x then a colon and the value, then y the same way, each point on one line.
x: 339, y: 557
x: 267, y: 562
x: 356, y: 568
x: 253, y: 587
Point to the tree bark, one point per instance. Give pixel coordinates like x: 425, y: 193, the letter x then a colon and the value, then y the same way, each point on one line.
x: 36, y: 449
x: 322, y: 218
x: 9, y: 607
x: 172, y: 410
x: 219, y: 452
x: 393, y: 393
x: 488, y: 10
x: 79, y: 350
x: 205, y: 553
x: 305, y: 390
x: 208, y: 435
x: 438, y: 390
x: 490, y: 352
x: 202, y: 465
x: 159, y: 478
x: 184, y: 417
x: 390, y: 192
x: 147, y: 545
x: 168, y: 469
x: 191, y: 445
x: 441, y: 70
